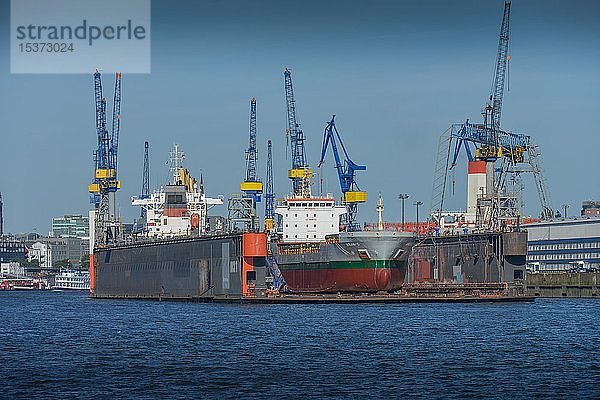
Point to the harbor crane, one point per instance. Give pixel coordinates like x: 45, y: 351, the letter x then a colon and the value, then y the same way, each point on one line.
x: 269, y: 193
x: 145, y: 192
x: 106, y: 183
x: 491, y: 144
x: 241, y: 207
x: 351, y: 194
x: 300, y: 173
x: 252, y: 186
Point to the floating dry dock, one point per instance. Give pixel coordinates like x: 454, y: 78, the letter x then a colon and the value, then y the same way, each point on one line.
x: 232, y: 268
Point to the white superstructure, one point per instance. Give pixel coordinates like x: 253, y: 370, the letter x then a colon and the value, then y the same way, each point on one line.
x: 309, y: 219
x: 179, y: 208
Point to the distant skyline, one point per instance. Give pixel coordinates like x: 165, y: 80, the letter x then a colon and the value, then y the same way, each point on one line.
x: 396, y: 74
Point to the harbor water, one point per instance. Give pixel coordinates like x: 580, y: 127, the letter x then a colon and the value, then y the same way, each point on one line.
x: 66, y: 345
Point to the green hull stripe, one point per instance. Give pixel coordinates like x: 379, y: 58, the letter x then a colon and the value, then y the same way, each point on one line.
x: 358, y: 264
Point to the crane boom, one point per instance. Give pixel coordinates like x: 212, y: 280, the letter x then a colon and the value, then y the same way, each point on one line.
x: 116, y: 122
x: 251, y: 152
x: 102, y: 153
x: 497, y: 92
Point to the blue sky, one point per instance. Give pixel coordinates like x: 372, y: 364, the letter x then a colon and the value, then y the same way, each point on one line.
x: 396, y: 74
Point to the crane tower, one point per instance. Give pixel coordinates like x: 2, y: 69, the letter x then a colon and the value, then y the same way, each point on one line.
x: 105, y: 184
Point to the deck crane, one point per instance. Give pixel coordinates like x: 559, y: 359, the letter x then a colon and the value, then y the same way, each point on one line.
x: 105, y: 185
x: 492, y: 144
x: 351, y: 194
x: 269, y: 193
x: 145, y: 192
x: 300, y: 173
x: 252, y: 186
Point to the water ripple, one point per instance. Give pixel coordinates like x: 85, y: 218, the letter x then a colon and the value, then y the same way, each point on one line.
x: 65, y: 345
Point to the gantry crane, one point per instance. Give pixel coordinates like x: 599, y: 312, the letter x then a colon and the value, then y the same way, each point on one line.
x: 351, y: 194
x: 300, y: 173
x: 492, y: 144
x: 269, y: 193
x: 105, y: 185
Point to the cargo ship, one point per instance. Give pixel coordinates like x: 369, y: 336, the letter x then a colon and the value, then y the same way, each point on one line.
x: 176, y: 256
x: 313, y: 255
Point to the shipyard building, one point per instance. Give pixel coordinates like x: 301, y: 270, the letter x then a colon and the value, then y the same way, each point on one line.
x: 564, y: 245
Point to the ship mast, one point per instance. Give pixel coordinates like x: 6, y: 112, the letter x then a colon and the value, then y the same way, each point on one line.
x: 176, y: 158
x: 380, y: 212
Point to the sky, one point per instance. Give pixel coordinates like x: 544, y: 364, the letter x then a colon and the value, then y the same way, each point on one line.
x: 395, y: 73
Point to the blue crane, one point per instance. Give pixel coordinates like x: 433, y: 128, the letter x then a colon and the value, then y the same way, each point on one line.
x: 105, y: 182
x: 300, y: 173
x: 346, y: 170
x: 252, y: 186
x: 145, y: 192
x: 116, y: 123
x: 269, y: 193
x: 490, y: 147
x: 490, y: 142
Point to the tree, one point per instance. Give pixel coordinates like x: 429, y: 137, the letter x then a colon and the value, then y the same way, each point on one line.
x: 63, y: 264
x: 85, y: 261
x: 34, y: 263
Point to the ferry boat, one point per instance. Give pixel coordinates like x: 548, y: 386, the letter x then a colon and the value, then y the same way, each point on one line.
x: 70, y: 279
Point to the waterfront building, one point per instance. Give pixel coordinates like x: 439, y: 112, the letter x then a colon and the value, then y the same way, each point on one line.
x: 70, y: 226
x: 48, y: 251
x: 12, y: 249
x: 11, y: 269
x: 563, y: 245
